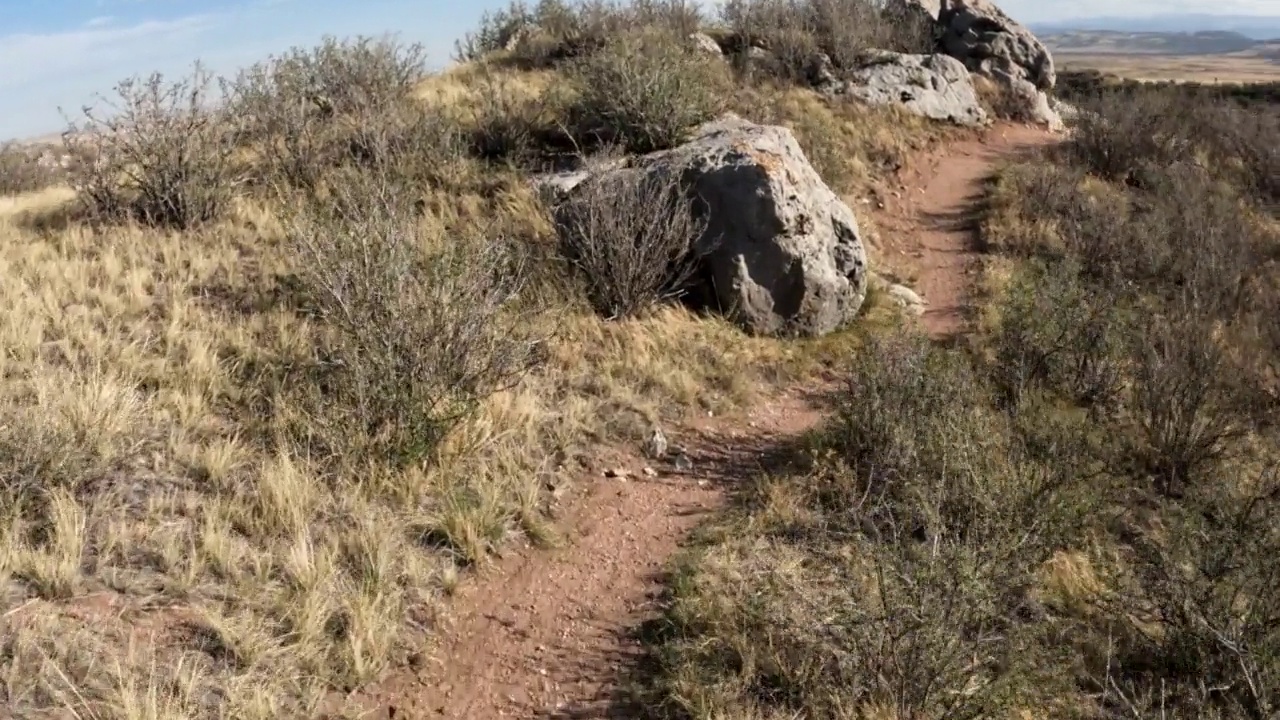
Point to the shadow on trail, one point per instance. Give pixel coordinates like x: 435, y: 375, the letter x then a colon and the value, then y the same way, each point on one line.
x: 625, y: 671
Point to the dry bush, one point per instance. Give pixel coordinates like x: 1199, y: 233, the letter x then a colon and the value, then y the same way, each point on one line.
x: 311, y: 110
x: 793, y: 31
x: 22, y: 171
x: 890, y: 580
x: 162, y: 153
x: 645, y: 92
x: 1195, y: 635
x: 507, y: 124
x: 633, y: 239
x: 1185, y: 399
x: 1121, y: 132
x: 1056, y: 331
x: 424, y: 322
x: 553, y: 30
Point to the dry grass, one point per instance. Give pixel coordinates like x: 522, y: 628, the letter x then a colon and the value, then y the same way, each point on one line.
x: 124, y: 399
x: 173, y: 546
x: 1071, y: 515
x: 1228, y: 68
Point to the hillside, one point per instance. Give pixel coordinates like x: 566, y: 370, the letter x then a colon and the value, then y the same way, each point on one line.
x: 645, y: 364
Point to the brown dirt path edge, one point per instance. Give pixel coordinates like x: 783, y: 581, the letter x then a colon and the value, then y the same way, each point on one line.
x: 548, y: 633
x: 934, y: 218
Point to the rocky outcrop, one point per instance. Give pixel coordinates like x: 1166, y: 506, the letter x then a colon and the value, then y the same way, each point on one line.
x: 705, y: 44
x: 935, y: 86
x: 783, y: 254
x: 992, y: 44
x: 987, y: 41
x: 1033, y: 105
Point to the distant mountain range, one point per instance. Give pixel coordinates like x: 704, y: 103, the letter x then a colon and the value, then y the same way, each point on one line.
x: 1107, y: 42
x: 1254, y: 27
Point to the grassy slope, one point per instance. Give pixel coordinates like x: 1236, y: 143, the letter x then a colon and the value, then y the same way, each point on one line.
x: 177, y: 563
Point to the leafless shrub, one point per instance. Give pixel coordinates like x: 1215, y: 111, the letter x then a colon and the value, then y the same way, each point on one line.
x: 424, y: 323
x: 792, y: 31
x: 1205, y: 642
x: 162, y: 153
x: 22, y: 170
x: 645, y: 92
x: 1184, y: 399
x: 310, y: 110
x: 633, y: 239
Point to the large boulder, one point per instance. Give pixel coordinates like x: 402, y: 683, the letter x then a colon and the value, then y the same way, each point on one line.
x: 935, y: 86
x: 994, y: 45
x: 783, y: 254
x: 987, y: 41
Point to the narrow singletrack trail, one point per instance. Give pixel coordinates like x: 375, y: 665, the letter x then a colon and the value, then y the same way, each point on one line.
x: 549, y: 633
x: 934, y: 218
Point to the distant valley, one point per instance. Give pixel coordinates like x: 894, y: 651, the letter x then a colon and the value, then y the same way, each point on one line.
x: 1199, y: 48
x: 1252, y: 27
x: 1210, y: 42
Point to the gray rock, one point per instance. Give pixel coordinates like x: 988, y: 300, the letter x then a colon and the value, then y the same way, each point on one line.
x: 925, y: 8
x: 704, y: 43
x: 906, y: 298
x: 656, y: 445
x: 1032, y: 105
x: 1065, y: 110
x: 821, y: 71
x: 784, y: 255
x: 935, y: 86
x: 556, y: 187
x: 987, y: 41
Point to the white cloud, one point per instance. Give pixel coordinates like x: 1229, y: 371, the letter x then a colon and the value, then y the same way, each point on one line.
x: 32, y: 58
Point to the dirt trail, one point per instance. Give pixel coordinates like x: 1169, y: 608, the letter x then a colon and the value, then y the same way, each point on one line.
x: 932, y: 218
x: 547, y: 634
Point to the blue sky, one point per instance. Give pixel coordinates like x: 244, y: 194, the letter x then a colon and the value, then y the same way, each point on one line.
x: 58, y: 53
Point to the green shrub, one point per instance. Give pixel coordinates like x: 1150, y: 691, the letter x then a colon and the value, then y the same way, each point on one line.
x: 554, y: 30
x: 1058, y: 333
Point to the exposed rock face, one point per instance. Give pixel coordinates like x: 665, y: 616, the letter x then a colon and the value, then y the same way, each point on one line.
x: 935, y: 86
x: 988, y: 41
x: 992, y: 44
x: 704, y: 43
x: 784, y: 253
x: 928, y: 8
x: 1033, y: 105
